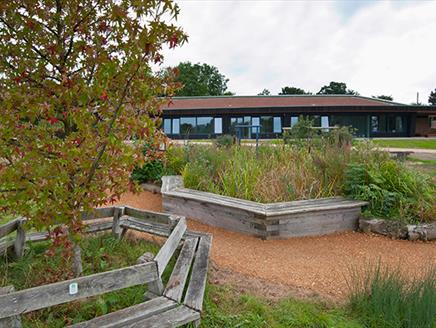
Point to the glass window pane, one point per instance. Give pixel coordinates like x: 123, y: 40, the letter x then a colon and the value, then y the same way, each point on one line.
x: 204, y: 125
x: 294, y: 120
x: 218, y: 125
x: 277, y: 124
x: 324, y: 121
x: 255, y: 121
x: 399, y: 125
x: 187, y: 125
x: 316, y: 120
x: 167, y: 126
x: 266, y: 123
x: 374, y: 124
x: 176, y: 125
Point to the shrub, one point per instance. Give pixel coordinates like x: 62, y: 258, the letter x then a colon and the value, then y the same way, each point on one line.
x: 383, y: 298
x: 393, y: 190
x: 225, y: 141
x: 153, y: 169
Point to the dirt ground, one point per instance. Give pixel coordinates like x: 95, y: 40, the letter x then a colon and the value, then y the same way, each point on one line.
x: 304, y: 267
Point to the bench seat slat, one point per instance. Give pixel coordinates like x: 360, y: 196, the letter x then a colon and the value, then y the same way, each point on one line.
x: 129, y: 315
x: 167, y: 250
x: 197, y: 284
x: 176, y: 317
x: 176, y: 283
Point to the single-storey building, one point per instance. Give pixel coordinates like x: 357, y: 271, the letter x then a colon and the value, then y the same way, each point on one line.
x: 209, y: 117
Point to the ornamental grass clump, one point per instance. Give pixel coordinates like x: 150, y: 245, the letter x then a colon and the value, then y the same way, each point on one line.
x: 381, y: 298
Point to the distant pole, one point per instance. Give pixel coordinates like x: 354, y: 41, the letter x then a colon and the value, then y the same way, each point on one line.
x: 417, y: 98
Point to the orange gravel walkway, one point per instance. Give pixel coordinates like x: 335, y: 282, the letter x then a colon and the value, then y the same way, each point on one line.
x: 319, y: 265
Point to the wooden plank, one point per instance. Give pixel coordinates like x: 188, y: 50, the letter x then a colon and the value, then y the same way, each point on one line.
x: 197, y: 284
x: 146, y: 215
x: 153, y: 228
x: 230, y: 218
x: 20, y: 240
x: 167, y: 250
x: 5, y: 244
x: 37, y: 236
x: 9, y: 227
x: 116, y: 229
x: 176, y: 317
x: 48, y: 295
x: 99, y: 213
x: 129, y: 315
x: 10, y: 322
x: 176, y: 283
x: 100, y: 226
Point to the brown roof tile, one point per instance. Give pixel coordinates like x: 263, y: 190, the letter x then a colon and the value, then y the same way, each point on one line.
x: 272, y: 101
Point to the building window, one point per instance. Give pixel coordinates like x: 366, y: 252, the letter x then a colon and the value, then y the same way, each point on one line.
x: 432, y: 121
x: 204, y: 125
x: 218, y: 128
x: 294, y: 120
x: 167, y: 126
x: 324, y: 121
x: 374, y: 124
x: 277, y: 128
x: 176, y: 125
x: 187, y: 125
x: 256, y: 122
x: 316, y: 120
x: 266, y: 123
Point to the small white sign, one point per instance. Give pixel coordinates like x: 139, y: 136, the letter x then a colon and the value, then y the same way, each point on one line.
x: 74, y: 288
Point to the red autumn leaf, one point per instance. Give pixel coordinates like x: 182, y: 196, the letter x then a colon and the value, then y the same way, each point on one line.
x: 173, y: 40
x: 52, y: 120
x: 104, y: 96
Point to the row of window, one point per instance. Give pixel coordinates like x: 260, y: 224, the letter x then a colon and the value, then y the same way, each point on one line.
x: 269, y: 125
x: 214, y: 125
x: 193, y: 125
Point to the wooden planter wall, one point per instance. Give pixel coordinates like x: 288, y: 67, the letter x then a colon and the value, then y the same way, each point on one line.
x: 267, y: 221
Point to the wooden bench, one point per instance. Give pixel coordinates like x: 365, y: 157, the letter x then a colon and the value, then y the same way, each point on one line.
x: 267, y: 221
x: 173, y: 305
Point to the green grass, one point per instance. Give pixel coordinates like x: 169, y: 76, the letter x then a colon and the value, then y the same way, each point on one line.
x: 384, y: 298
x: 227, y: 308
x: 102, y: 253
x: 406, y: 143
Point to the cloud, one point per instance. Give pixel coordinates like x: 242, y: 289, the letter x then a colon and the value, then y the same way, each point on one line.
x: 376, y: 48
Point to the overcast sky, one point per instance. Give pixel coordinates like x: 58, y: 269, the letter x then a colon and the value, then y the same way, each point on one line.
x: 376, y: 47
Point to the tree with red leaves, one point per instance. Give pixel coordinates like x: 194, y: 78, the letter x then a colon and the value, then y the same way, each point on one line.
x: 76, y: 83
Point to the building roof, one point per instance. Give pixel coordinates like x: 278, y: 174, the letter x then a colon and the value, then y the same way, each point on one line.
x: 228, y: 102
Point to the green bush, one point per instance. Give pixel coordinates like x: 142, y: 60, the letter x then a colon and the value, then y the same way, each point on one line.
x: 381, y: 298
x: 393, y: 190
x: 225, y: 141
x: 151, y: 171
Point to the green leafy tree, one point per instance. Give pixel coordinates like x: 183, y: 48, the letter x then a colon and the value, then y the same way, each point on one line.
x: 384, y: 97
x: 293, y: 91
x: 199, y: 80
x: 336, y: 88
x: 264, y: 92
x: 432, y: 98
x: 76, y: 86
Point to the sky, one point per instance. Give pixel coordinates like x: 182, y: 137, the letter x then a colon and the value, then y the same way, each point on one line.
x: 376, y: 47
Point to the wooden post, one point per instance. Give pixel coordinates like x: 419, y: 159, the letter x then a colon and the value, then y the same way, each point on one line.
x: 117, y: 231
x: 155, y: 289
x: 10, y: 322
x: 20, y: 240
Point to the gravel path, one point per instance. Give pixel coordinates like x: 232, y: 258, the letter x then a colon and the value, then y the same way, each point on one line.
x: 318, y: 265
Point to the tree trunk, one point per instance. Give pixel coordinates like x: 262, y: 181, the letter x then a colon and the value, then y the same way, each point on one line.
x: 77, y: 261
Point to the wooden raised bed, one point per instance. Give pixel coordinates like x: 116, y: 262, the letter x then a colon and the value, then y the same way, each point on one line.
x: 268, y: 221
x: 164, y: 306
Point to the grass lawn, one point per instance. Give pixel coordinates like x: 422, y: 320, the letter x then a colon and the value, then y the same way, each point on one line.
x: 406, y: 143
